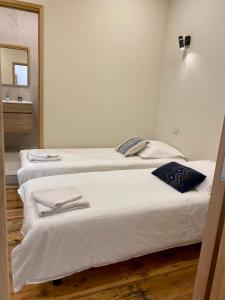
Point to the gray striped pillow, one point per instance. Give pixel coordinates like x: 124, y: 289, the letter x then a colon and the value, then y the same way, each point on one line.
x: 132, y: 146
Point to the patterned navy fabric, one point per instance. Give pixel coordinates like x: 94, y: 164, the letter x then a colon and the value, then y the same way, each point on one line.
x: 179, y: 177
x: 124, y: 148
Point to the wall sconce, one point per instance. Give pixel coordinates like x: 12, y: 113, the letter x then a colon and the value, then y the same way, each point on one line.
x: 184, y: 42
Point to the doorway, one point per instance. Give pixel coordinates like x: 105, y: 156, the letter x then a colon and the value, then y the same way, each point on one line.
x: 21, y: 64
x: 38, y: 11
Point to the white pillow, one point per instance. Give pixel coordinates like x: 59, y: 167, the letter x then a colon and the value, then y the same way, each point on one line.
x: 206, y: 167
x: 157, y: 149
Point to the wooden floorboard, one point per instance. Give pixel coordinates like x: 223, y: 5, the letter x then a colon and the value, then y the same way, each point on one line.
x: 164, y: 275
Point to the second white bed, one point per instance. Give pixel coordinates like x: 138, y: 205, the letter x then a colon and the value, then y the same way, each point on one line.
x: 90, y: 160
x: 131, y: 213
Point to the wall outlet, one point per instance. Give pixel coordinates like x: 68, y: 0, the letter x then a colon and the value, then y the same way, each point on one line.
x: 176, y: 131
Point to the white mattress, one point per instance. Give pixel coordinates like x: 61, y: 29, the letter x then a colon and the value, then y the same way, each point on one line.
x: 84, y: 160
x: 132, y: 213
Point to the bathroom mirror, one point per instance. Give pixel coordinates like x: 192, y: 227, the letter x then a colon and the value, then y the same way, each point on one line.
x: 14, y: 65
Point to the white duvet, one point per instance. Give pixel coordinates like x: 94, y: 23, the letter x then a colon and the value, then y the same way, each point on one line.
x: 132, y: 213
x: 84, y: 160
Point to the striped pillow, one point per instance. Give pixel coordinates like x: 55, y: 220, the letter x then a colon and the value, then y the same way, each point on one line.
x: 132, y: 146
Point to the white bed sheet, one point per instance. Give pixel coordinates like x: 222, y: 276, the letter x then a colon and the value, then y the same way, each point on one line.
x: 132, y: 213
x: 84, y: 160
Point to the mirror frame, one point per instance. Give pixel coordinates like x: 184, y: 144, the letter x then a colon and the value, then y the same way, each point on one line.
x: 23, y: 48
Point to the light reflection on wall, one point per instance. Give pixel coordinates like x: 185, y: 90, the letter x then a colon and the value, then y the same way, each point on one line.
x: 191, y: 63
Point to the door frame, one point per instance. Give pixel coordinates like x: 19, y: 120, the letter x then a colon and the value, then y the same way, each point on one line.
x: 39, y: 9
x: 213, y: 230
x: 4, y: 272
x: 218, y: 285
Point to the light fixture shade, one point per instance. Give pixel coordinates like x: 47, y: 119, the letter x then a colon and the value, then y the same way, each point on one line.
x: 181, y: 42
x: 184, y: 42
x: 187, y: 41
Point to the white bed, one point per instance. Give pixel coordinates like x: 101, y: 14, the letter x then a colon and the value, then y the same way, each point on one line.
x: 86, y: 160
x: 132, y: 213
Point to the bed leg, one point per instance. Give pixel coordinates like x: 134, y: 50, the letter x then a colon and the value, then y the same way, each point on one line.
x: 57, y: 282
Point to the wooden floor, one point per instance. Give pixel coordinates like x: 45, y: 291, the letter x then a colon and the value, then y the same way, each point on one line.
x: 166, y: 275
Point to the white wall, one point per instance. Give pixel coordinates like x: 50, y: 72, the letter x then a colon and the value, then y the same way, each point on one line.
x: 193, y: 87
x: 102, y: 70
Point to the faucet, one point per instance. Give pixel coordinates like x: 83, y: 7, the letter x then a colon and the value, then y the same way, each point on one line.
x: 7, y: 98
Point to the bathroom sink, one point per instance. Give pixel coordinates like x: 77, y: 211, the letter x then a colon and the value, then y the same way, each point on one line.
x: 17, y: 116
x: 17, y: 102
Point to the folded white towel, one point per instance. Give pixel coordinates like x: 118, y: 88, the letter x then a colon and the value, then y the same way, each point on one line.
x: 34, y: 158
x: 56, y: 198
x: 43, y: 154
x: 44, y: 211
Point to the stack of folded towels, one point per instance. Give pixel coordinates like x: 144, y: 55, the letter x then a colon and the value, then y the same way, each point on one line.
x: 39, y: 156
x: 50, y: 202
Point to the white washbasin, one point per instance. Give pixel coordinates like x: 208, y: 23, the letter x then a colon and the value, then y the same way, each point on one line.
x: 17, y: 102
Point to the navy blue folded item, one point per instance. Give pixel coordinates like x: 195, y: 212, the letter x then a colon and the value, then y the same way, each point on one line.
x: 180, y: 177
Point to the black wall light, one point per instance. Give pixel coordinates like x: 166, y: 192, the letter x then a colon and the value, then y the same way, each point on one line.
x: 184, y: 42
